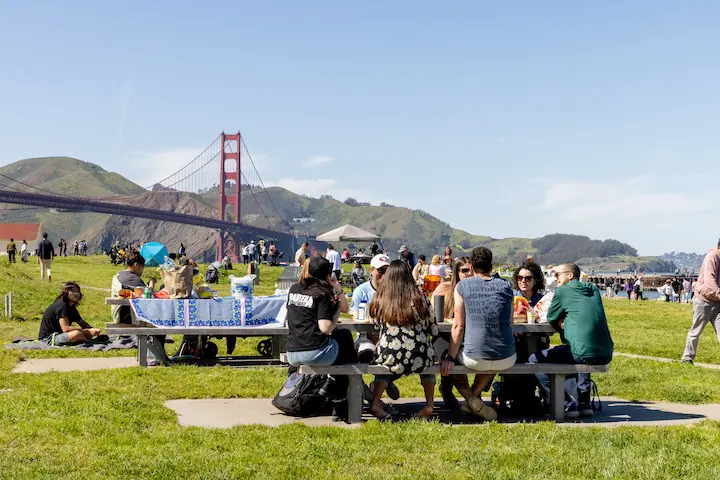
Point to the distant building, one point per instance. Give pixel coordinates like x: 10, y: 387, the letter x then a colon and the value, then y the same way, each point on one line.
x: 30, y: 232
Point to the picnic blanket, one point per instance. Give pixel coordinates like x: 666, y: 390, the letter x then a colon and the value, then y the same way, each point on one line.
x: 115, y: 343
x: 212, y: 312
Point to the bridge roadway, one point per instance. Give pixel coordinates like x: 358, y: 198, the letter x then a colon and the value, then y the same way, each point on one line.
x: 125, y: 209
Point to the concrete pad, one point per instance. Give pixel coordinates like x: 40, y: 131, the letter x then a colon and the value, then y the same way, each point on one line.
x: 44, y: 365
x: 227, y: 413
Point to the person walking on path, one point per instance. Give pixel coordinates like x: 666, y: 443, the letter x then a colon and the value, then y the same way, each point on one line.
x: 76, y: 248
x: 11, y: 250
x: 706, y: 302
x: 23, y: 252
x: 46, y: 253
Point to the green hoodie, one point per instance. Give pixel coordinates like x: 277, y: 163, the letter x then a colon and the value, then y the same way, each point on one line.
x: 586, y: 329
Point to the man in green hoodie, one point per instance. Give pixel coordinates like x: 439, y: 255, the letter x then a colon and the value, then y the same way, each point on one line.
x: 577, y: 313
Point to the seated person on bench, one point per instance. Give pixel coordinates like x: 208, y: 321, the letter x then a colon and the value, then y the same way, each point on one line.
x: 127, y: 279
x: 577, y: 313
x: 313, y: 309
x: 56, y: 326
x: 481, y: 336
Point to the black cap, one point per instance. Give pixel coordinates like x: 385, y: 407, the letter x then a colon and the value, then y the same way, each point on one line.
x: 319, y: 268
x: 421, y: 257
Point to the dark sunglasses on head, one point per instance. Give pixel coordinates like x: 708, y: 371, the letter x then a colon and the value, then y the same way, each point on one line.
x: 465, y: 270
x: 527, y: 279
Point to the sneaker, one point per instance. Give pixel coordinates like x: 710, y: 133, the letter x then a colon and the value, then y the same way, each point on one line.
x: 392, y: 391
x: 686, y: 361
x: 585, y: 409
x: 571, y: 410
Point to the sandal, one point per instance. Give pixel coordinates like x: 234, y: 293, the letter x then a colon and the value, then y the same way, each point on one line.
x: 388, y: 418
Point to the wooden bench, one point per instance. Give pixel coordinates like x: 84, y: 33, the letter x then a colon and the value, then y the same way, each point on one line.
x: 557, y: 373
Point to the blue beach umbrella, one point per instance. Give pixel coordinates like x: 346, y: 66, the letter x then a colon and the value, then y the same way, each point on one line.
x: 154, y: 253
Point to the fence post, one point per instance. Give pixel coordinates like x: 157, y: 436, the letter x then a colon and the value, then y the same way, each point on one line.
x: 10, y: 302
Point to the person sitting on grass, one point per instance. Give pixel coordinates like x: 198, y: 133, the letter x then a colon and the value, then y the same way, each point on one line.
x: 406, y: 324
x: 56, y: 325
x: 577, y: 313
x: 481, y: 336
x: 358, y: 274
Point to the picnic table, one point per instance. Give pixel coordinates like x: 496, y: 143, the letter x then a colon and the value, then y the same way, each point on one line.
x: 278, y: 333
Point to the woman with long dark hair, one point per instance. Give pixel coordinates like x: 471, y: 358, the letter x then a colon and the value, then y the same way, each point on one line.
x: 313, y: 308
x: 407, y: 325
x: 56, y: 325
x: 461, y: 269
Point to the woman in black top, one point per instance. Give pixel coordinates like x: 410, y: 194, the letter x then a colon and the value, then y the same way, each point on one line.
x: 313, y: 309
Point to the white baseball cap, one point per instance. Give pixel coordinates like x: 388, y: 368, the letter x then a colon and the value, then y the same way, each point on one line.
x: 379, y: 261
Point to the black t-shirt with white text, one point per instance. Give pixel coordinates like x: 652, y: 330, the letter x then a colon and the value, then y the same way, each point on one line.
x: 50, y: 322
x: 304, y: 309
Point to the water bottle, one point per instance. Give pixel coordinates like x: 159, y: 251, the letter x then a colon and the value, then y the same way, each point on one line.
x: 361, y: 311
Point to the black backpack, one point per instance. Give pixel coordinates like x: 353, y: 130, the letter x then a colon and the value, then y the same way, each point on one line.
x: 300, y: 396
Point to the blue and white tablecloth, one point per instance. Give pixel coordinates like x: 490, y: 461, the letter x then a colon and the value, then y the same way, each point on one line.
x: 215, y: 312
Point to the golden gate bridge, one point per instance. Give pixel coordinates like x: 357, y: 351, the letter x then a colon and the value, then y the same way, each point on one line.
x: 223, y: 170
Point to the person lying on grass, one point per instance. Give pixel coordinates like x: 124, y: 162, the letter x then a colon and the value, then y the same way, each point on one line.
x: 56, y: 325
x: 406, y: 324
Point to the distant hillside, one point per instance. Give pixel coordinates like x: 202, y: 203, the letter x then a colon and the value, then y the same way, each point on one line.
x: 308, y: 216
x: 688, y: 262
x: 626, y: 263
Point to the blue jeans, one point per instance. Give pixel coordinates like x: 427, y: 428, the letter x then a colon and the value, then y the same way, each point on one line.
x: 562, y: 354
x: 321, y: 357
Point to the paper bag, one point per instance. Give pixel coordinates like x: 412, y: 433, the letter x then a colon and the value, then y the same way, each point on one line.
x: 178, y: 281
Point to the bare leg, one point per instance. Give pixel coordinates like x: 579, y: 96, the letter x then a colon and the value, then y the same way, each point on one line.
x: 77, y: 336
x: 481, y: 382
x: 429, y: 389
x: 376, y: 406
x: 462, y: 385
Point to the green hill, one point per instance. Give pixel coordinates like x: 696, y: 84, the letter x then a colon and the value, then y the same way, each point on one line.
x: 308, y: 216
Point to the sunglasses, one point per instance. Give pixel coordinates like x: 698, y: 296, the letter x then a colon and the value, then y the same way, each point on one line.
x: 526, y: 279
x: 557, y: 274
x: 464, y: 270
x: 382, y: 270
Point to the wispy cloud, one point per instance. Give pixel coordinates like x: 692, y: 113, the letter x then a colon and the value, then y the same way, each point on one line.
x: 148, y: 168
x: 317, y: 160
x: 638, y: 210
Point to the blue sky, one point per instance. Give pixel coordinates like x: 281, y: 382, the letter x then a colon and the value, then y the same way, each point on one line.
x: 503, y: 119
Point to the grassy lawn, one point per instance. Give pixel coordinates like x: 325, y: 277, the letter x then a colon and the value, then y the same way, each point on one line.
x: 112, y: 424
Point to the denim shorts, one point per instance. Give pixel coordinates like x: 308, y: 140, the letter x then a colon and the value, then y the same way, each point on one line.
x: 58, y: 339
x: 321, y: 357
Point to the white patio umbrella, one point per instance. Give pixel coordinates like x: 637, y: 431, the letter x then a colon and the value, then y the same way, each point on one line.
x: 347, y: 233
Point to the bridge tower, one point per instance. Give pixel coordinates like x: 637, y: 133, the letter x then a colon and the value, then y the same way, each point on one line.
x: 229, y: 242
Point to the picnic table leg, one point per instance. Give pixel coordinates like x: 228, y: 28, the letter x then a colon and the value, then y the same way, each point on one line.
x: 279, y: 348
x: 557, y: 397
x: 355, y: 398
x: 142, y: 350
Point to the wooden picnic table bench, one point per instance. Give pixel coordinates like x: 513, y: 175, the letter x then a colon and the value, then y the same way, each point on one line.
x: 557, y: 373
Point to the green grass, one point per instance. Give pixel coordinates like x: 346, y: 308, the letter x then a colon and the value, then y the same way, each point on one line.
x: 112, y: 424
